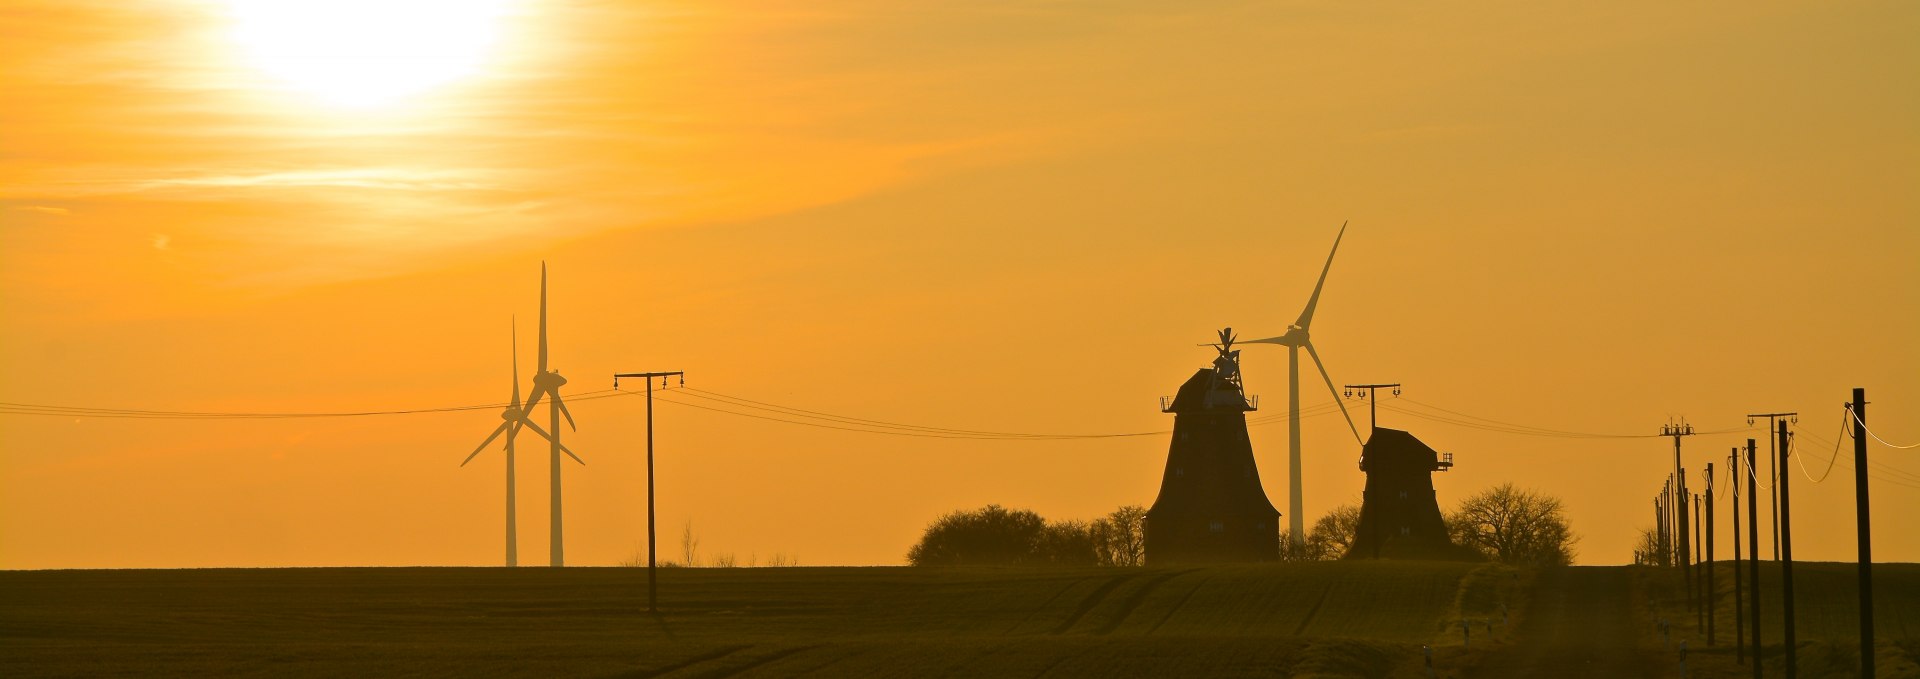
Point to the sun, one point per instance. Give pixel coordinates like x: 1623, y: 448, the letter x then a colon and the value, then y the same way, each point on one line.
x: 366, y: 53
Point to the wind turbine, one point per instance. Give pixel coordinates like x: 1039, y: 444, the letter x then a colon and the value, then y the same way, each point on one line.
x: 514, y: 417
x: 547, y: 383
x: 1296, y: 338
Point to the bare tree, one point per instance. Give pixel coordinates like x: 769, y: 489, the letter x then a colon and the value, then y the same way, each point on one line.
x: 1332, y: 535
x: 689, y: 545
x: 1514, y: 526
x: 1120, y: 538
x: 1648, y: 549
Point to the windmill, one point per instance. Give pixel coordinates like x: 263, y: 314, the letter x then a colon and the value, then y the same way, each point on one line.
x: 1296, y: 338
x: 514, y: 417
x: 547, y: 383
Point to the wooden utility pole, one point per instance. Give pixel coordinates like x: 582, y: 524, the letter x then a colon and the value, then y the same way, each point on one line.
x: 1753, y: 564
x: 1712, y: 594
x: 1786, y: 548
x: 1667, y: 516
x: 1680, y: 496
x: 1686, y: 545
x: 653, y: 588
x: 1864, y: 524
x: 1773, y: 472
x: 1699, y: 603
x: 1739, y: 594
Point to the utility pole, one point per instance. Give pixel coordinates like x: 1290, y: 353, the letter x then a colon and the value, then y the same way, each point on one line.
x: 1699, y: 605
x: 1680, y: 494
x: 1712, y: 594
x: 1739, y: 595
x: 1786, y: 547
x: 1365, y: 392
x: 1659, y: 555
x: 1773, y: 473
x: 653, y: 588
x: 1686, y: 546
x: 1753, y: 564
x: 1861, y: 509
x: 1666, y: 522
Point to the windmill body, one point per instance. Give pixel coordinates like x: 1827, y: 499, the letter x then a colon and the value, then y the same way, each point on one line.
x: 1296, y: 338
x: 1211, y: 507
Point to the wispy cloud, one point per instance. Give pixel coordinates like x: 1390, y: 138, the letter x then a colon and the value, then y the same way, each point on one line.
x: 44, y: 209
x: 393, y: 179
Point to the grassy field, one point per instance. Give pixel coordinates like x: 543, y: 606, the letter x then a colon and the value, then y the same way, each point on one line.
x: 1319, y: 619
x: 1826, y: 618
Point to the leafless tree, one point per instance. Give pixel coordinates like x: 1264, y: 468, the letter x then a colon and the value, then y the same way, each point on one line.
x: 1514, y: 526
x: 1332, y: 535
x: 1648, y: 549
x: 689, y: 545
x: 1120, y: 538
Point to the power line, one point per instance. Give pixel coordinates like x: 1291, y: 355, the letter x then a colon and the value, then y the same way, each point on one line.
x: 1876, y: 437
x: 1802, y: 459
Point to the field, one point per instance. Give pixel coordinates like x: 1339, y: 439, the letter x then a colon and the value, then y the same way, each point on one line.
x: 1319, y: 619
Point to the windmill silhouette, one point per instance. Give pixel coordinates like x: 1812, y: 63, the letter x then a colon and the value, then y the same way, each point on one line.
x: 547, y: 383
x: 1296, y: 338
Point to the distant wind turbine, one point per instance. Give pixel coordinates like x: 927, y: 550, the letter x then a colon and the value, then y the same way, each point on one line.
x: 547, y: 383
x: 1296, y: 338
x: 514, y: 417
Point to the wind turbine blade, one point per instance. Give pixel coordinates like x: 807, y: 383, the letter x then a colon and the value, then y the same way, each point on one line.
x: 563, y: 411
x: 515, y: 327
x: 483, y: 444
x: 563, y: 447
x: 1306, y: 316
x: 1270, y: 340
x: 543, y: 317
x: 533, y: 398
x: 512, y: 431
x: 1336, y: 394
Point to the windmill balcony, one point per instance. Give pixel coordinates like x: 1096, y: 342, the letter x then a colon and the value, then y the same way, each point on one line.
x: 1251, y: 403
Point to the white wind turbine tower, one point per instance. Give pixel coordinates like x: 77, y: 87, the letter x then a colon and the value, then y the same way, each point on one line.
x: 1296, y: 338
x: 514, y: 417
x: 547, y: 383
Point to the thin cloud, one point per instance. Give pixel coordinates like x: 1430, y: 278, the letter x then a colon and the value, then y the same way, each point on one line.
x: 44, y: 209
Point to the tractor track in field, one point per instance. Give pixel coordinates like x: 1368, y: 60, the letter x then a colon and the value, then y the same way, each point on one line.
x: 715, y: 654
x: 1092, y: 599
x: 1139, y: 596
x: 1311, y: 612
x: 1043, y: 605
x: 768, y: 659
x: 1182, y: 603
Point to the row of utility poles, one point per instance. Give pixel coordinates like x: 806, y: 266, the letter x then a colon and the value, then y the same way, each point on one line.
x: 1671, y: 545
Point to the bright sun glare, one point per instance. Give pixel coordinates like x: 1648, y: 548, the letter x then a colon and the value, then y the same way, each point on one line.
x: 366, y: 53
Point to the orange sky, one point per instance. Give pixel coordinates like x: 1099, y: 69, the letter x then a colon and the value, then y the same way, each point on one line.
x: 1002, y: 216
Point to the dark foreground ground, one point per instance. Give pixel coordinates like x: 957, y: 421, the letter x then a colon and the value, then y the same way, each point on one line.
x: 1320, y: 619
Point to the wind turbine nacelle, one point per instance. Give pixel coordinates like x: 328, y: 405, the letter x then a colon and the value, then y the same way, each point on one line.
x: 549, y: 380
x: 512, y: 415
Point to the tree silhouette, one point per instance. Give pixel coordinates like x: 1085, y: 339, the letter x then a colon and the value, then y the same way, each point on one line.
x: 992, y: 535
x: 1514, y: 526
